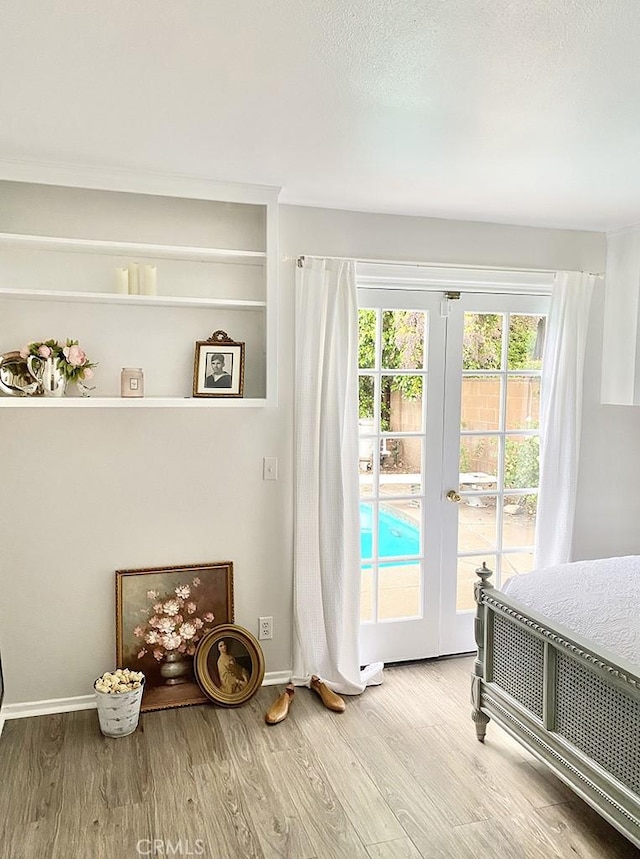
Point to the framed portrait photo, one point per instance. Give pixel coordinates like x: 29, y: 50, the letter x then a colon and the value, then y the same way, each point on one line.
x: 218, y: 367
x: 162, y: 613
x: 229, y: 665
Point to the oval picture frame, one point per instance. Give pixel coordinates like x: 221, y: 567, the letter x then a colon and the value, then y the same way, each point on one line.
x: 229, y: 665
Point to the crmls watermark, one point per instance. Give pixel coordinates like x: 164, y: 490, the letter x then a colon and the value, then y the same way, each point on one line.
x: 166, y: 847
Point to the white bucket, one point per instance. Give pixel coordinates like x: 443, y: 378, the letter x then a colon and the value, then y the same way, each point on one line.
x: 118, y: 713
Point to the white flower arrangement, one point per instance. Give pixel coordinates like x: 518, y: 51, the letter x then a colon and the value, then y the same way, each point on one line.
x: 173, y: 623
x: 121, y: 680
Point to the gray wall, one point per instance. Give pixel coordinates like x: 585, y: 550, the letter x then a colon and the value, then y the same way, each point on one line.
x: 88, y: 492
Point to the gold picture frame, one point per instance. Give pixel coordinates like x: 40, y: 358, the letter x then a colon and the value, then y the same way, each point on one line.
x: 162, y: 613
x: 229, y: 665
x: 218, y: 367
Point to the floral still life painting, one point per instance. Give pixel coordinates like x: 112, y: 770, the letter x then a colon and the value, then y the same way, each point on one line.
x: 161, y: 616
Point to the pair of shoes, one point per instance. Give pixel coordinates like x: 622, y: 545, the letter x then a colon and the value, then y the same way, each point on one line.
x: 330, y: 700
x: 279, y: 710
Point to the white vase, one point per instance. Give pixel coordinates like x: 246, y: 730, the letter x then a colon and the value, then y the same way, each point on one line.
x: 118, y: 713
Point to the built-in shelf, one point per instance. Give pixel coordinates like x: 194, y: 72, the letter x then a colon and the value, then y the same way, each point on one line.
x: 131, y: 402
x: 131, y: 249
x: 133, y: 300
x: 187, y: 213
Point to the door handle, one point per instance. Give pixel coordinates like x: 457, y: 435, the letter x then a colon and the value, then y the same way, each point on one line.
x: 453, y: 496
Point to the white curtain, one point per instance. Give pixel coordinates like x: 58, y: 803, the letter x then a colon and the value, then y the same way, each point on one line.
x: 561, y: 412
x: 327, y: 535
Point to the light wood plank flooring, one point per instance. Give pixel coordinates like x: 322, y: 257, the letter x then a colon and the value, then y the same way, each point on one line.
x: 399, y: 775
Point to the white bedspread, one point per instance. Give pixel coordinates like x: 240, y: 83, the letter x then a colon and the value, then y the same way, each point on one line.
x: 600, y: 600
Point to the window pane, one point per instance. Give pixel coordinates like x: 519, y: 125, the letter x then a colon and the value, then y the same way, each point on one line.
x: 366, y: 477
x: 515, y: 564
x: 401, y: 404
x: 398, y: 529
x: 478, y: 461
x: 519, y: 521
x: 400, y: 466
x: 523, y: 402
x: 366, y: 530
x: 467, y: 576
x: 365, y: 400
x: 521, y: 462
x: 399, y: 591
x: 477, y: 524
x: 482, y: 344
x: 366, y: 594
x: 526, y: 341
x: 367, y: 342
x: 403, y: 339
x: 480, y: 403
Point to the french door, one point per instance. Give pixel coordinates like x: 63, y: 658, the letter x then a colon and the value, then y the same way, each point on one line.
x: 448, y: 460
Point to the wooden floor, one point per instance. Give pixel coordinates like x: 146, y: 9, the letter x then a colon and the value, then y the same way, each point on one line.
x: 399, y: 775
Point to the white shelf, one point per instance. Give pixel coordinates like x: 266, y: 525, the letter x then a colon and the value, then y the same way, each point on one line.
x: 188, y: 213
x: 131, y: 402
x: 57, y: 243
x: 132, y: 300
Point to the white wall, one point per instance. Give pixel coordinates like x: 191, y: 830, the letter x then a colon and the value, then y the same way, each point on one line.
x: 85, y: 493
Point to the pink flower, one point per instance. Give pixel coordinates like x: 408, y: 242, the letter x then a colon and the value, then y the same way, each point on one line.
x: 44, y: 351
x: 209, y: 617
x: 25, y: 351
x: 158, y: 654
x: 157, y: 607
x: 151, y: 637
x: 171, y: 641
x: 171, y: 607
x: 154, y: 621
x: 191, y: 607
x: 191, y: 650
x: 195, y: 582
x: 142, y: 653
x: 187, y: 630
x: 182, y: 648
x: 199, y: 623
x: 138, y: 632
x: 88, y: 373
x: 152, y: 595
x: 75, y: 355
x: 164, y: 625
x: 183, y: 591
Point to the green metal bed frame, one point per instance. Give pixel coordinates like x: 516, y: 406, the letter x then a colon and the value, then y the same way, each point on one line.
x: 573, y: 705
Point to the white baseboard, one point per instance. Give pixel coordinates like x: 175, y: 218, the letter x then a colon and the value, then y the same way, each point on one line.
x: 45, y: 708
x: 87, y: 702
x: 274, y: 678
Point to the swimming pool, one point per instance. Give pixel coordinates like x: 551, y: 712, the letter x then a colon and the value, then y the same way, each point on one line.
x: 396, y: 536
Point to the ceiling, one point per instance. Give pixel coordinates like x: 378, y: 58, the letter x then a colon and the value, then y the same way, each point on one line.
x: 513, y: 111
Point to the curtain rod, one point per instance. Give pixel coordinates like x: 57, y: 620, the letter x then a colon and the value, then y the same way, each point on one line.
x: 415, y: 264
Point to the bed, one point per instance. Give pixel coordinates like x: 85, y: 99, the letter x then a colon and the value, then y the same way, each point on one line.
x: 564, y: 682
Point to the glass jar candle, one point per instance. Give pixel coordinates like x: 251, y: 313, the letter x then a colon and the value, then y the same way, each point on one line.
x: 131, y: 382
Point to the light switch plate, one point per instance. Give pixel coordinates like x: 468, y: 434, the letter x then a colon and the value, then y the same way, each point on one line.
x: 270, y: 468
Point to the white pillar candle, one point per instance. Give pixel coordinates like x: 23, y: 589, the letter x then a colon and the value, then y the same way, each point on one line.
x: 122, y: 281
x: 149, y: 280
x: 134, y: 278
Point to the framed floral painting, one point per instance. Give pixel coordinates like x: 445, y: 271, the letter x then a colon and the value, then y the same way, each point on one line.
x: 162, y: 613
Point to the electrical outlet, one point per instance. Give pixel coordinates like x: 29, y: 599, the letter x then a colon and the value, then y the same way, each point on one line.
x: 265, y: 627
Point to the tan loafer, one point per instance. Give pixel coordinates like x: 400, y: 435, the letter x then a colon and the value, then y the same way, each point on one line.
x: 279, y: 710
x: 330, y: 700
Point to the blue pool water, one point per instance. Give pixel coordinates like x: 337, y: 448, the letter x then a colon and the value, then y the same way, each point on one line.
x: 396, y: 537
